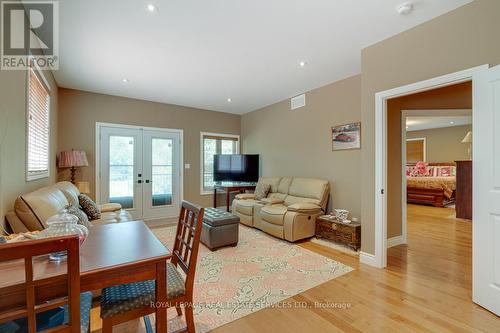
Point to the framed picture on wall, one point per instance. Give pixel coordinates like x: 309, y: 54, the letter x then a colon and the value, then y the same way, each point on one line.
x: 346, y: 136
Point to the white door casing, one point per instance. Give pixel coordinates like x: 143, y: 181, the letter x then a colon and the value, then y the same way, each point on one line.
x: 486, y: 190
x: 379, y: 258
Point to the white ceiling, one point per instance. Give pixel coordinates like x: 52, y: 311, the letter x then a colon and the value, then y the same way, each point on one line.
x: 200, y: 53
x: 422, y: 123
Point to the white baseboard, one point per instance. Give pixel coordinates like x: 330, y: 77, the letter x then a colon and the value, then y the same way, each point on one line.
x: 395, y: 241
x: 367, y: 258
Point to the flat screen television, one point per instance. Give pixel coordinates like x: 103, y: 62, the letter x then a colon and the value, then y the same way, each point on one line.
x: 236, y: 168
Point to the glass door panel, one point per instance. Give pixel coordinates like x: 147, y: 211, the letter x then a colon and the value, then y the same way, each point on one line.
x: 162, y: 171
x: 121, y: 170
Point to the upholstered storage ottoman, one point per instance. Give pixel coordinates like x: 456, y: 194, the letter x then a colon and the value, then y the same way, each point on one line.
x: 219, y: 229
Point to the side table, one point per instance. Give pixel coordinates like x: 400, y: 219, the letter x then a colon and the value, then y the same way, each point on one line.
x: 345, y: 233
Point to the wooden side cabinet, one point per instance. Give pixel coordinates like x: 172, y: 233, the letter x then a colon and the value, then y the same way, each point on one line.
x: 348, y: 234
x: 463, y: 201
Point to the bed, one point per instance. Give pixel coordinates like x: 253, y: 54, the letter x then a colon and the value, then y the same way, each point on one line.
x: 436, y: 188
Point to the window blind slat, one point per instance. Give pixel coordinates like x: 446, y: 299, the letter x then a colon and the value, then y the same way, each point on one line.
x: 38, y: 127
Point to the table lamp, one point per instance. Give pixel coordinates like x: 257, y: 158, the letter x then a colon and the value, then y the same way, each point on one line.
x: 72, y: 159
x: 468, y: 139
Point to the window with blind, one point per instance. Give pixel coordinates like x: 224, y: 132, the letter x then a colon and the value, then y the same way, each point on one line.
x: 213, y: 144
x: 37, y: 159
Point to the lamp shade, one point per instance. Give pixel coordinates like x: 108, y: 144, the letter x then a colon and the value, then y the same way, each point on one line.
x: 467, y: 138
x: 72, y: 158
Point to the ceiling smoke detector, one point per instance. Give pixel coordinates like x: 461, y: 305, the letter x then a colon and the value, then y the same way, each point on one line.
x: 405, y: 8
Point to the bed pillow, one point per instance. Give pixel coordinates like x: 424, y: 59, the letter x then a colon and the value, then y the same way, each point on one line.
x: 422, y: 169
x: 446, y: 171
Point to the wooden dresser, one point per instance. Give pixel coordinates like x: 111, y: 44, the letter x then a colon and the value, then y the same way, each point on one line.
x: 346, y: 233
x: 463, y: 201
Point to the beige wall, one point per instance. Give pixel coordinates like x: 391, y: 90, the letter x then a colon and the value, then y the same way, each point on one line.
x: 13, y: 90
x: 298, y: 142
x: 458, y: 40
x: 79, y: 112
x: 444, y: 144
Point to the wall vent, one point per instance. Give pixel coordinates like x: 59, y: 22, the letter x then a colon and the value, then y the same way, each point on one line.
x: 298, y: 101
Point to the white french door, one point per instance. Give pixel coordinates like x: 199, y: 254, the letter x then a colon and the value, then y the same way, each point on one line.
x: 161, y: 174
x: 140, y: 169
x: 486, y: 189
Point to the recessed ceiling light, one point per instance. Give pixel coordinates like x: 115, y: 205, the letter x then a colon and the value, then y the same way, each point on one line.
x: 302, y: 63
x: 452, y: 123
x: 407, y: 127
x: 404, y: 8
x: 229, y: 99
x: 151, y: 7
x: 125, y: 80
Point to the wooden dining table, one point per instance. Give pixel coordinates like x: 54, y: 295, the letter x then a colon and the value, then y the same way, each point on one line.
x: 112, y: 254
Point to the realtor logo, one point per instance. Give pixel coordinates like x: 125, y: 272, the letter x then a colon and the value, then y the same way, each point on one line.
x: 29, y: 34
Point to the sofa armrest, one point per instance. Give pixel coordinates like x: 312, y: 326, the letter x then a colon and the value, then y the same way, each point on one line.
x: 306, y: 208
x: 110, y: 207
x: 245, y: 196
x: 15, y: 223
x: 272, y: 201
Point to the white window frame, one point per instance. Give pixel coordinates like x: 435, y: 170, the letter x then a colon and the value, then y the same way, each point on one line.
x: 424, y: 139
x: 38, y: 72
x: 202, y: 165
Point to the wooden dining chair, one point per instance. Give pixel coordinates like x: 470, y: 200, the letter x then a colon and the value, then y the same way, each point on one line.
x: 134, y: 300
x: 27, y: 293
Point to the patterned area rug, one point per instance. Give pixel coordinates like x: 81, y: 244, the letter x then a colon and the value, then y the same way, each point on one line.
x: 233, y: 282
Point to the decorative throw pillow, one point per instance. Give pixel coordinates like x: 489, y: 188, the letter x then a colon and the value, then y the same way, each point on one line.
x: 261, y: 191
x: 82, y: 217
x: 89, y: 207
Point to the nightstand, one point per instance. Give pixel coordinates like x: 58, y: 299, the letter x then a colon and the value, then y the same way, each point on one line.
x: 345, y: 233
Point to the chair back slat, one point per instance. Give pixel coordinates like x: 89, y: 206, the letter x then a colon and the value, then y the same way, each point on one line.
x: 26, y: 291
x: 187, y: 240
x: 30, y: 294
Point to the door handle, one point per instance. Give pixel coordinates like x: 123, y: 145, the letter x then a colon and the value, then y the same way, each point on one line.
x: 139, y: 181
x: 147, y: 181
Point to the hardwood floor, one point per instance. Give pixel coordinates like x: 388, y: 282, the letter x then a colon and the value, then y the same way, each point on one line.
x: 425, y: 288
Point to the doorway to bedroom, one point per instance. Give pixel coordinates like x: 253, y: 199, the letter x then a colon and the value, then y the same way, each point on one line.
x: 429, y: 154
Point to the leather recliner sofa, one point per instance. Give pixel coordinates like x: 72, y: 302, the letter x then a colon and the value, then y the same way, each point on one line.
x: 32, y: 210
x: 290, y: 209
